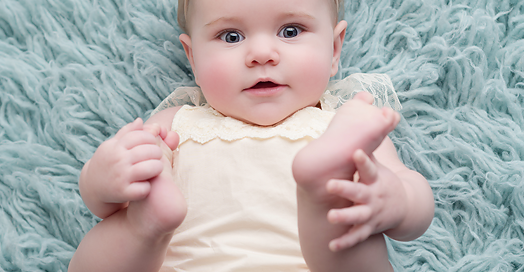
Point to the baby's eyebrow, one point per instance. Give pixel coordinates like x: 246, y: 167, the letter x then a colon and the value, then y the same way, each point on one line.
x: 283, y: 15
x: 223, y: 19
x: 297, y: 14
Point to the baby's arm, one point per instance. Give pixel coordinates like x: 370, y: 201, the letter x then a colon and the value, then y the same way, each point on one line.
x: 388, y: 198
x: 138, y: 220
x: 420, y: 204
x: 118, y: 171
x: 383, y: 201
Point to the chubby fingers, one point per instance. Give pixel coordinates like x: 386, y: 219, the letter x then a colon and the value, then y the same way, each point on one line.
x: 138, y: 124
x: 354, y: 215
x: 136, y: 138
x: 144, y: 152
x: 356, y: 192
x: 156, y: 130
x: 133, y: 135
x: 170, y: 138
x: 137, y: 191
x: 366, y: 167
x: 354, y: 236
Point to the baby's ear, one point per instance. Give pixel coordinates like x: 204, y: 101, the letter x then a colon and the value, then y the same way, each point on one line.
x: 339, y: 32
x: 186, y: 43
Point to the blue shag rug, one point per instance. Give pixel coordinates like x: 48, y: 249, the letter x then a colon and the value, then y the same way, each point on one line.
x: 72, y: 72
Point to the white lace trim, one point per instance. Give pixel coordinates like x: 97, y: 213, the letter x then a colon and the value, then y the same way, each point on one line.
x: 181, y: 96
x: 203, y: 124
x: 379, y: 85
x: 338, y: 93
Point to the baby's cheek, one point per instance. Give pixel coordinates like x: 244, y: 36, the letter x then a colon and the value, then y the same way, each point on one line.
x: 316, y: 72
x: 215, y: 73
x: 216, y: 85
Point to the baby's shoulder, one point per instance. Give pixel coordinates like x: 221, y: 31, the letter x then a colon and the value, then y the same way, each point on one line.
x: 164, y: 117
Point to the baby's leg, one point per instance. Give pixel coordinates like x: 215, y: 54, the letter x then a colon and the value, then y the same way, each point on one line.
x: 135, y: 238
x: 316, y: 232
x: 357, y: 125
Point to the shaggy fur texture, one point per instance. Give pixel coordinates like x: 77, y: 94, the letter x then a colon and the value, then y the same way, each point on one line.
x: 72, y: 72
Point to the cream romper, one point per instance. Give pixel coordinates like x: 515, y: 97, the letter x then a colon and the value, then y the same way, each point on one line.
x: 241, y: 195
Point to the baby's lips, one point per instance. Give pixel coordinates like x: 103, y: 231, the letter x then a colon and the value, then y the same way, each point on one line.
x: 264, y: 84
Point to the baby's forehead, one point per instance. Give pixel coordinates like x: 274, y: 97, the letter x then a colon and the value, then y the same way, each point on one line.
x: 186, y: 7
x: 334, y: 4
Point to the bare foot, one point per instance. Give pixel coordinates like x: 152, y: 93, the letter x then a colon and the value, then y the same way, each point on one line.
x: 357, y: 125
x: 164, y: 209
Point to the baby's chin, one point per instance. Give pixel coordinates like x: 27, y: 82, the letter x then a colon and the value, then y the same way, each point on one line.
x: 268, y: 114
x: 264, y: 120
x: 275, y: 118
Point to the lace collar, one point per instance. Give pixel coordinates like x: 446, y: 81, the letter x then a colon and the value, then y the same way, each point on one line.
x: 203, y: 124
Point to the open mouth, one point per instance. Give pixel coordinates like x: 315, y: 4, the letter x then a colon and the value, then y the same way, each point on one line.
x: 265, y: 89
x: 264, y: 85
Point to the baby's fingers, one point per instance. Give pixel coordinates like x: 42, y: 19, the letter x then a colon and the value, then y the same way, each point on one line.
x: 366, y: 168
x: 355, y: 235
x: 140, y: 174
x: 170, y: 138
x: 145, y: 152
x: 354, y: 215
x: 136, y: 138
x: 156, y: 130
x: 135, y: 125
x: 356, y: 192
x: 137, y: 191
x: 146, y: 170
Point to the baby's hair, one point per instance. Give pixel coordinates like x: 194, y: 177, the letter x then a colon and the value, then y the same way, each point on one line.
x: 184, y: 4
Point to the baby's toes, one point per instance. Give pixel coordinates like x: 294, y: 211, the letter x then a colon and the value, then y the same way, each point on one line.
x: 391, y: 118
x: 365, y: 97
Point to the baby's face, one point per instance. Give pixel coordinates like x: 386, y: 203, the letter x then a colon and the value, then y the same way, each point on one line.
x: 262, y: 60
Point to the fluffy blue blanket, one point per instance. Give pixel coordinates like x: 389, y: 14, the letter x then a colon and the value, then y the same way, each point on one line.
x: 72, y: 72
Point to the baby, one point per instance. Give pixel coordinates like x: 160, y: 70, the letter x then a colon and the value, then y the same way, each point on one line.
x: 260, y: 178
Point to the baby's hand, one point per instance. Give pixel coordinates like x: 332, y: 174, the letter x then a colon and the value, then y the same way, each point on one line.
x: 379, y: 202
x: 121, y: 167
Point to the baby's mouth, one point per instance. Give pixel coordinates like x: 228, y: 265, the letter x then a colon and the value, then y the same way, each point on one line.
x: 265, y: 89
x: 264, y: 85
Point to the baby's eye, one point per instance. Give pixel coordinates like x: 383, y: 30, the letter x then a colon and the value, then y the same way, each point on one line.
x: 290, y: 31
x: 231, y: 37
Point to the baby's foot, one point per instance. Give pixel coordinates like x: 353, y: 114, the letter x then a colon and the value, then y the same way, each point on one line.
x: 161, y: 212
x: 164, y: 209
x: 357, y: 125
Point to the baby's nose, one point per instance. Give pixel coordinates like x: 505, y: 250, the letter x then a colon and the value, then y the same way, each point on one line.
x: 262, y: 50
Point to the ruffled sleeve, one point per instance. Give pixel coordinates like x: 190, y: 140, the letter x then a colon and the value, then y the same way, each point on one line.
x: 379, y: 85
x: 181, y: 96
